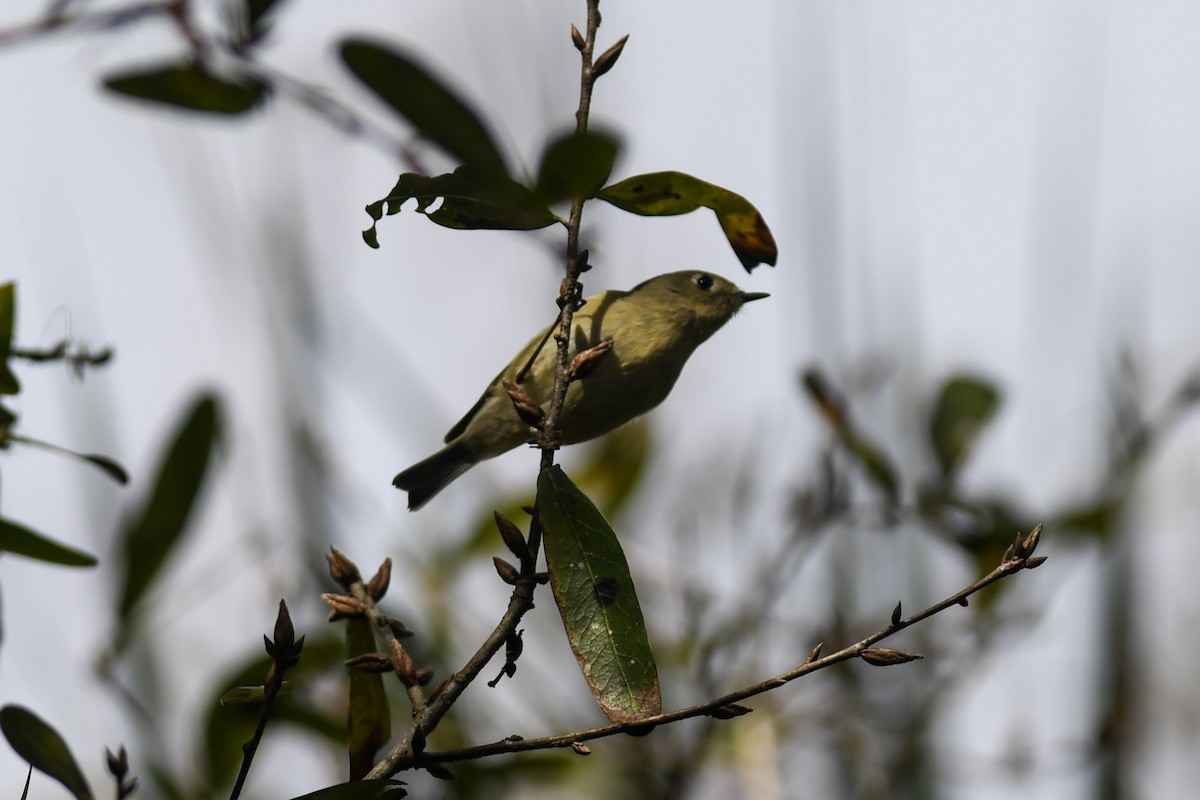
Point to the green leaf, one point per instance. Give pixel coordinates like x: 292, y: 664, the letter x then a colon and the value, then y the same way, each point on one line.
x: 469, y: 202
x: 878, y: 467
x: 152, y: 534
x: 189, y: 86
x: 40, y: 745
x: 369, y: 716
x: 377, y: 789
x: 597, y: 601
x: 437, y: 113
x: 963, y: 407
x: 666, y: 194
x: 8, y: 313
x: 21, y: 541
x: 575, y: 165
x: 109, y: 466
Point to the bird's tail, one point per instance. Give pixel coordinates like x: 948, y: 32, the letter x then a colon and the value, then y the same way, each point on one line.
x: 426, y: 478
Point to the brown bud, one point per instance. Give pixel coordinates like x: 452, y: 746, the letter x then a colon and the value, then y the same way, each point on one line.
x: 341, y: 568
x: 441, y: 770
x: 398, y: 628
x: 962, y: 601
x: 581, y: 748
x: 378, y: 585
x: 370, y: 662
x: 528, y: 410
x: 507, y: 572
x: 896, y: 615
x: 424, y: 676
x: 1035, y: 562
x: 585, y: 362
x: 815, y: 653
x: 512, y: 536
x: 344, y: 605
x: 886, y: 656
x: 729, y: 711
x: 1031, y: 541
x: 541, y: 578
x: 577, y: 39
x: 609, y: 57
x: 402, y: 663
x: 118, y: 765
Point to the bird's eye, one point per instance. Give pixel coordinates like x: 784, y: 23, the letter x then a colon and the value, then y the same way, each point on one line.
x: 704, y: 282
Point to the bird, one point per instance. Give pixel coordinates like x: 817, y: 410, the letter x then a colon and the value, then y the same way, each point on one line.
x: 645, y: 336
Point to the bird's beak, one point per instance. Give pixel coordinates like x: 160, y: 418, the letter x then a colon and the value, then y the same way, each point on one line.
x: 748, y: 296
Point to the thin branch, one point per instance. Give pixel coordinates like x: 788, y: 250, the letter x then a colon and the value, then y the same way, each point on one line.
x: 1019, y: 558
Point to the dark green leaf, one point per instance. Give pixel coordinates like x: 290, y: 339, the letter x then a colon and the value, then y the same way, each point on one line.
x: 110, y: 467
x: 257, y: 10
x: 430, y: 106
x: 575, y: 165
x: 597, y: 601
x: 152, y: 534
x: 190, y: 86
x: 378, y: 789
x: 19, y: 540
x: 40, y: 745
x: 8, y: 313
x: 962, y: 409
x: 469, y: 202
x: 665, y: 194
x: 369, y: 716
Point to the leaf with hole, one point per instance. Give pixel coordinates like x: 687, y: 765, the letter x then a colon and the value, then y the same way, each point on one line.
x: 470, y: 201
x: 665, y: 194
x: 597, y: 601
x: 40, y: 745
x: 189, y: 86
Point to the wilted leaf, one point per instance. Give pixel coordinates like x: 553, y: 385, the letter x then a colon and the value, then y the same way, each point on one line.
x: 376, y: 789
x: 596, y: 598
x: 152, y: 534
x: 40, y: 745
x: 21, y: 541
x: 189, y: 86
x: 469, y: 202
x: 8, y: 312
x: 664, y: 194
x: 369, y: 716
x: 575, y: 165
x: 434, y: 110
x: 962, y: 409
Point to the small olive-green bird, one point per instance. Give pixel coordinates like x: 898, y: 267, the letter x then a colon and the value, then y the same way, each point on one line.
x: 653, y: 329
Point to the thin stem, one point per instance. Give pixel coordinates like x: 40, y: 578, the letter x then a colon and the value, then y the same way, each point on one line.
x: 517, y: 745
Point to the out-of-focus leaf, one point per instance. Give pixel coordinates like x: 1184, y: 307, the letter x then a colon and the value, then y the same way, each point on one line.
x: 614, y: 466
x: 370, y: 720
x: 596, y: 598
x: 7, y: 418
x: 437, y: 112
x: 189, y: 86
x: 244, y: 695
x: 469, y: 202
x: 21, y: 541
x: 963, y: 407
x: 380, y: 789
x: 8, y: 313
x: 109, y: 466
x: 1097, y: 519
x: 152, y: 534
x: 257, y: 10
x: 877, y: 465
x: 40, y: 745
x: 665, y: 194
x: 575, y: 165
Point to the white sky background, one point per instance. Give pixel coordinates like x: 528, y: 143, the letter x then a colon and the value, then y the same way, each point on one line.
x: 1012, y: 188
